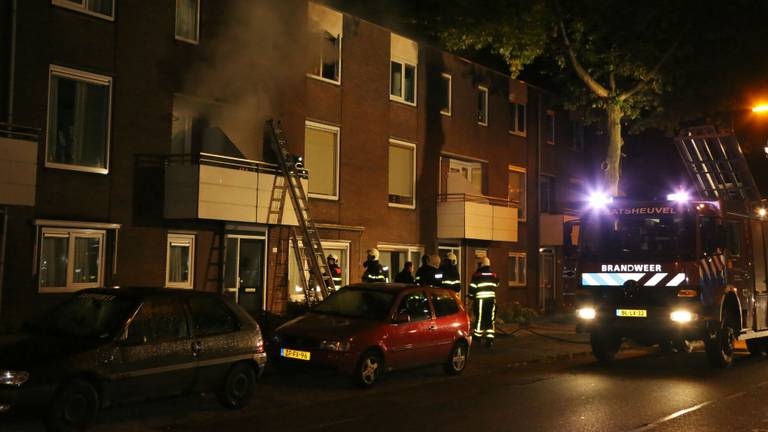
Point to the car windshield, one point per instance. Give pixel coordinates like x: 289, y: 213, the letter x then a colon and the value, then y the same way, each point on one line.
x: 358, y: 303
x: 87, y: 315
x: 638, y: 235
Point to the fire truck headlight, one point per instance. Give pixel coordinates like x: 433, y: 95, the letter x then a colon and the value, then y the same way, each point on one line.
x: 586, y: 313
x: 682, y: 316
x: 679, y: 196
x: 599, y: 200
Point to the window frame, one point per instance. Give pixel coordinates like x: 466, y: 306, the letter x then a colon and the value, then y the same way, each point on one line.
x: 551, y: 125
x: 180, y: 237
x: 515, y: 129
x: 518, y: 256
x: 90, y: 78
x: 523, y: 211
x: 71, y: 234
x: 83, y: 8
x: 405, y: 295
x: 550, y: 180
x: 408, y: 250
x: 293, y: 278
x: 197, y: 25
x: 577, y: 136
x: 403, y: 144
x: 481, y: 89
x: 326, y: 128
x: 321, y: 78
x: 443, y: 76
x: 401, y: 98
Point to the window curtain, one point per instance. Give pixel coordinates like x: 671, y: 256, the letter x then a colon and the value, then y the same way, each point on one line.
x: 186, y: 19
x: 86, y: 260
x: 178, y: 267
x: 53, y: 262
x: 100, y: 6
x: 401, y: 171
x: 320, y: 154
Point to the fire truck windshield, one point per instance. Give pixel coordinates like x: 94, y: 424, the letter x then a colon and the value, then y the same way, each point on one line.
x: 638, y: 235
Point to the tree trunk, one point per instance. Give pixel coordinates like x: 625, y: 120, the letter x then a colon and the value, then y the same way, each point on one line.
x: 615, y: 142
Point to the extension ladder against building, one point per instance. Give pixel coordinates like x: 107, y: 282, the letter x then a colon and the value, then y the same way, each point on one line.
x: 310, y: 256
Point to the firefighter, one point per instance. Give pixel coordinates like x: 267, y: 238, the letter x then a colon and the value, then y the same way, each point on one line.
x: 335, y: 270
x: 374, y: 271
x: 482, y: 290
x: 431, y: 275
x: 406, y: 275
x: 450, y: 271
x: 422, y: 269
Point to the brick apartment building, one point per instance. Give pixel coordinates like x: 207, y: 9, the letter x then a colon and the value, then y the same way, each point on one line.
x: 132, y: 151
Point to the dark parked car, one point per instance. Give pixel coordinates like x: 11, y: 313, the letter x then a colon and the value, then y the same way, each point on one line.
x: 108, y: 345
x: 364, y: 329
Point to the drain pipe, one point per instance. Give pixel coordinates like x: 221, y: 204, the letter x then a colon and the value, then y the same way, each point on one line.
x: 3, y: 235
x: 12, y: 62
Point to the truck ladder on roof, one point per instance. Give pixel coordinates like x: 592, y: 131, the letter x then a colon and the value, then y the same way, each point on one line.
x: 317, y: 286
x: 716, y: 164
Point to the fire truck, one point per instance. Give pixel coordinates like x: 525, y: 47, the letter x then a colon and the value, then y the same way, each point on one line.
x: 691, y: 267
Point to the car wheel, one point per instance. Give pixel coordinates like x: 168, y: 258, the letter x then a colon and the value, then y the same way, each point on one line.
x: 605, y: 345
x: 719, y: 344
x: 238, y: 387
x: 457, y: 359
x: 369, y: 368
x: 758, y: 347
x: 74, y: 407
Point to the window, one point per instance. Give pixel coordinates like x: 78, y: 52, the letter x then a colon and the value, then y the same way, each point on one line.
x: 464, y: 177
x: 577, y: 135
x: 71, y: 259
x: 550, y: 131
x: 158, y: 321
x: 188, y: 20
x: 327, y: 26
x: 403, y: 66
x: 444, y: 304
x: 546, y: 194
x: 402, y: 174
x: 445, y: 94
x: 482, y: 106
x: 210, y: 317
x: 79, y: 105
x: 416, y: 306
x: 202, y: 125
x: 321, y: 158
x: 180, y: 261
x: 516, y: 266
x: 338, y: 248
x: 517, y: 190
x: 517, y: 115
x: 100, y: 8
x: 394, y: 257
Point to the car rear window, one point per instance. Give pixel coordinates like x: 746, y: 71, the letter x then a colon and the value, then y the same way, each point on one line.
x: 444, y: 303
x: 211, y: 317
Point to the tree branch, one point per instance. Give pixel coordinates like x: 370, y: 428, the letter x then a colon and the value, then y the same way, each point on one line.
x: 612, y: 81
x: 644, y: 83
x: 593, y: 85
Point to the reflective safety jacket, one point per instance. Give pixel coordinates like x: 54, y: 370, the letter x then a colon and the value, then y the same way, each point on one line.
x: 484, y: 284
x: 335, y: 275
x: 374, y: 272
x: 451, y: 278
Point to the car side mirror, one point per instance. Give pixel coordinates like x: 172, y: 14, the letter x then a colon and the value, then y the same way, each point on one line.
x: 402, y: 318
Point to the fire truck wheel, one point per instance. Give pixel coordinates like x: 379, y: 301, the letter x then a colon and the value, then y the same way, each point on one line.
x: 605, y: 345
x: 758, y: 347
x: 719, y: 343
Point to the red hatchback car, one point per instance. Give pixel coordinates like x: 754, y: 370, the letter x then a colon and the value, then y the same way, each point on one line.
x: 365, y: 329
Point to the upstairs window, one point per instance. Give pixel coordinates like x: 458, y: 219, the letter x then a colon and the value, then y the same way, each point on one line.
x: 79, y: 111
x: 482, y: 106
x: 577, y: 135
x: 403, y: 68
x: 321, y: 158
x: 326, y: 27
x: 188, y: 20
x: 402, y: 174
x: 100, y: 8
x: 517, y: 115
x: 445, y: 94
x: 517, y: 190
x: 550, y: 128
x: 546, y: 197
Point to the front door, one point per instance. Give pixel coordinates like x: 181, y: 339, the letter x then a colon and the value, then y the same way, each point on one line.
x: 546, y: 280
x: 244, y: 277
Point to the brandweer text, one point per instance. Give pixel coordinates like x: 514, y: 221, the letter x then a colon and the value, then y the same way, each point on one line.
x: 631, y: 267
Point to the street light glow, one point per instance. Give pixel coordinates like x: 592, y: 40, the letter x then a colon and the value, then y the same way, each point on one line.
x: 760, y: 108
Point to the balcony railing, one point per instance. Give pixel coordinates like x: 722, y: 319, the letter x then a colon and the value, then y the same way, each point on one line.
x: 18, y: 164
x: 209, y: 186
x: 479, y: 217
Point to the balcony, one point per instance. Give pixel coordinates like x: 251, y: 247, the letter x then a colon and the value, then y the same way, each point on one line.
x: 553, y: 229
x: 18, y: 165
x: 208, y: 186
x: 477, y: 217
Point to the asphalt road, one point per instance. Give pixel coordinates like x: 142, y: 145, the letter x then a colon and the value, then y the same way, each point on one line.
x: 641, y: 391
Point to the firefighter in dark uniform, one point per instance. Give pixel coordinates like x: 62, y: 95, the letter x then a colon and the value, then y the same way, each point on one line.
x: 374, y: 271
x: 335, y: 270
x: 431, y: 275
x: 450, y: 271
x: 482, y: 290
x: 406, y: 275
x: 420, y: 272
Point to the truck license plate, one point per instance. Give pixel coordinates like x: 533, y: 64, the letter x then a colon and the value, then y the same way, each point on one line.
x: 295, y: 354
x: 632, y: 313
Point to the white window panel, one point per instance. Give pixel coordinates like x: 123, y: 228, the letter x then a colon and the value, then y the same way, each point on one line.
x: 482, y: 106
x: 517, y: 113
x: 180, y: 261
x: 446, y: 94
x: 79, y: 120
x: 338, y: 248
x: 321, y: 158
x: 516, y: 266
x: 518, y: 189
x: 100, y: 8
x: 403, y: 69
x: 402, y: 174
x: 394, y: 257
x: 71, y: 259
x: 326, y: 26
x: 188, y: 21
x: 551, y: 131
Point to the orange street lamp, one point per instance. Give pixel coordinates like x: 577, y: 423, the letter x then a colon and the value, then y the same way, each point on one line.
x: 762, y: 108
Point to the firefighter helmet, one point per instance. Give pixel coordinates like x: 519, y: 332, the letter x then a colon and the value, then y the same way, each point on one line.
x: 485, y: 262
x: 373, y: 253
x: 451, y: 257
x: 332, y: 257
